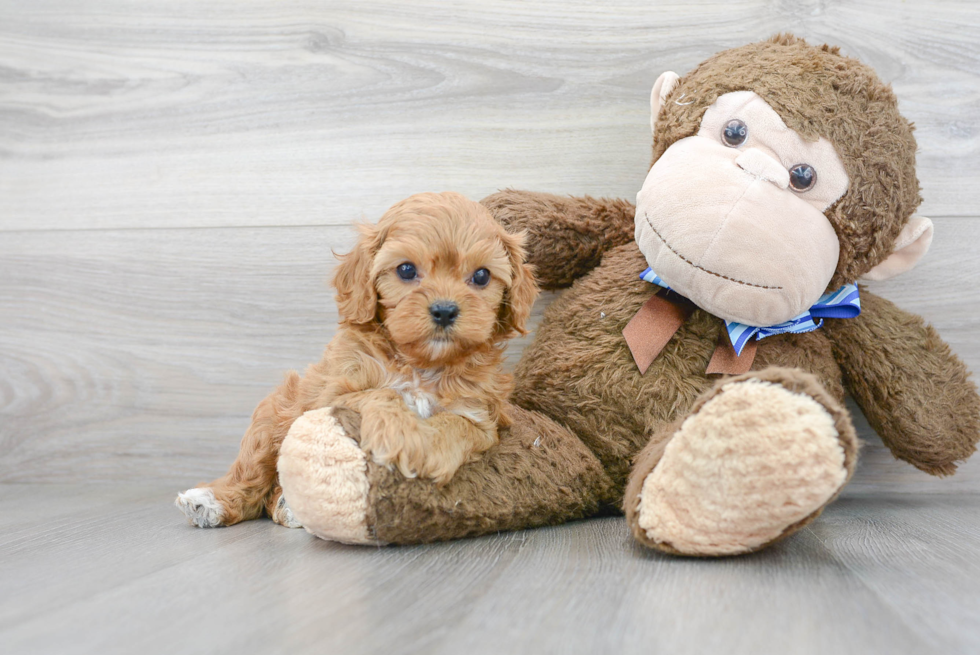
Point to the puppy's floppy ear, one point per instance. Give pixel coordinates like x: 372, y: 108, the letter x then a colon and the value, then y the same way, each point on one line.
x: 357, y: 299
x: 522, y: 292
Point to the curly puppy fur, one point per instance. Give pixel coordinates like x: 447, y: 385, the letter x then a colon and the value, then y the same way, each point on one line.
x: 431, y: 395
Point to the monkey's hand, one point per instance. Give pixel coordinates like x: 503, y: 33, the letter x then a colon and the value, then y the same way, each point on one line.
x: 566, y: 236
x: 914, y: 391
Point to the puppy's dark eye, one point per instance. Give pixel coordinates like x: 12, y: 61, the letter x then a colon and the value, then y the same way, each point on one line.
x: 407, y: 271
x: 802, y: 177
x: 735, y: 133
x: 481, y: 278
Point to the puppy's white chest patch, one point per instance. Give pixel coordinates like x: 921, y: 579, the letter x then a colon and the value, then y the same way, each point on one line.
x: 417, y: 394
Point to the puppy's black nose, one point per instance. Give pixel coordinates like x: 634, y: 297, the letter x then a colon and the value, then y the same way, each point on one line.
x: 444, y: 313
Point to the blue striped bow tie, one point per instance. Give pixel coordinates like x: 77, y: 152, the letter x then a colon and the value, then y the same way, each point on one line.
x: 843, y: 303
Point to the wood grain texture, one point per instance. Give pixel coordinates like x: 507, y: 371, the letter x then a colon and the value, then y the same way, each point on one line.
x: 94, y: 569
x: 124, y: 113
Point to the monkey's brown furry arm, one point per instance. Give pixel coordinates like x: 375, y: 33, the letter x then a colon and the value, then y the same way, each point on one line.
x: 566, y: 236
x: 916, y: 393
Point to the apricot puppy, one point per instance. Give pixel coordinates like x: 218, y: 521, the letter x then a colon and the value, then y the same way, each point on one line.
x: 427, y: 298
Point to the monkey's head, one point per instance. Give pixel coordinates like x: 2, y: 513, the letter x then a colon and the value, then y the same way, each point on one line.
x: 780, y: 172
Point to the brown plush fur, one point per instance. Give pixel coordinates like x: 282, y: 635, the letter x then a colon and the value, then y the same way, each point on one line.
x: 389, y: 350
x: 579, y: 371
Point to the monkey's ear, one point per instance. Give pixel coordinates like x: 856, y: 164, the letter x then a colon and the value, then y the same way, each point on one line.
x: 661, y: 89
x: 912, y: 244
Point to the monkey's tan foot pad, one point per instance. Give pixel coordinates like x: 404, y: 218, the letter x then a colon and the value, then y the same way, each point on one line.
x: 756, y: 462
x: 323, y: 473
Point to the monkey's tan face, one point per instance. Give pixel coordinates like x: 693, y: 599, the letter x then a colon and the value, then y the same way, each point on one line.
x: 733, y: 217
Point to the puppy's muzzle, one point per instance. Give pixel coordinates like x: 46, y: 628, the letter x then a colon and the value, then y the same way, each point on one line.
x: 444, y: 313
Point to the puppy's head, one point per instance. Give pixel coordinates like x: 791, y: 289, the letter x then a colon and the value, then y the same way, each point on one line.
x: 440, y: 274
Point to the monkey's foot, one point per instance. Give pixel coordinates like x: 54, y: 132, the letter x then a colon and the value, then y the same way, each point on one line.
x: 757, y: 460
x: 324, y: 478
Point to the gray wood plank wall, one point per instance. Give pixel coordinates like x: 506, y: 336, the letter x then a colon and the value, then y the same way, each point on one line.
x: 174, y: 176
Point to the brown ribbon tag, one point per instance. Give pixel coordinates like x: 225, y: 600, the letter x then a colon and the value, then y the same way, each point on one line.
x: 652, y: 327
x: 726, y: 362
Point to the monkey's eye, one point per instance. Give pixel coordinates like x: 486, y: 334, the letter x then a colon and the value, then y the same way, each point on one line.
x: 802, y: 177
x: 735, y: 133
x: 407, y: 271
x: 481, y: 278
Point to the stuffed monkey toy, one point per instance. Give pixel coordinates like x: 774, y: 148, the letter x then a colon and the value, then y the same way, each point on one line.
x: 693, y: 374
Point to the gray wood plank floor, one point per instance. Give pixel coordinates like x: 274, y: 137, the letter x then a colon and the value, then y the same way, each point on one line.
x: 95, y: 569
x: 173, y: 178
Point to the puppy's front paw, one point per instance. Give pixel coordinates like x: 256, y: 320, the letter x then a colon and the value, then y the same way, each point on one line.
x: 440, y: 466
x: 417, y: 452
x: 200, y: 507
x: 433, y: 449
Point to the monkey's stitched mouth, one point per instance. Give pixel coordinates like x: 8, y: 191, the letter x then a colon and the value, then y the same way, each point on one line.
x: 702, y: 268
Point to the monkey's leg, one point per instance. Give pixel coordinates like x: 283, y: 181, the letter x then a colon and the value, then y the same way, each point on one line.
x: 538, y: 474
x: 567, y: 236
x: 759, y: 456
